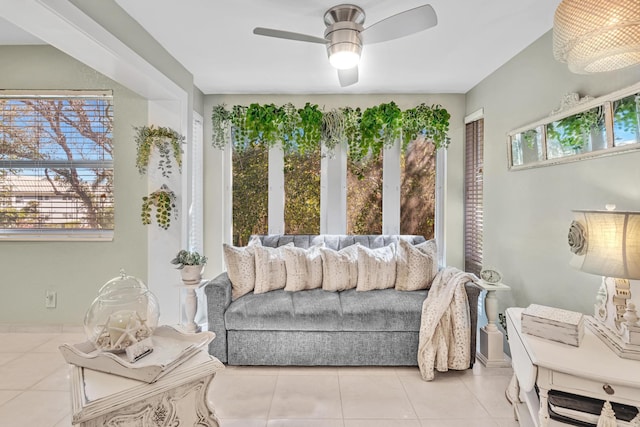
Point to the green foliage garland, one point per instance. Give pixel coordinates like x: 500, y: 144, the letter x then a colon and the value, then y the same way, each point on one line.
x: 164, y: 201
x: 168, y: 143
x: 424, y: 121
x: 366, y: 132
x: 262, y: 123
x: 220, y: 119
x: 332, y: 129
x: 311, y: 128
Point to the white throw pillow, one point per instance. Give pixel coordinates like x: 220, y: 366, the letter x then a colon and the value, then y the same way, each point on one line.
x: 416, y: 265
x: 241, y: 267
x: 376, y: 268
x: 304, y: 268
x: 271, y: 273
x: 339, y: 268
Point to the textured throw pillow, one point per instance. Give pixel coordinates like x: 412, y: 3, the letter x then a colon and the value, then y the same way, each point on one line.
x: 416, y: 265
x: 241, y: 267
x: 339, y: 268
x: 376, y: 268
x: 271, y: 273
x: 304, y: 268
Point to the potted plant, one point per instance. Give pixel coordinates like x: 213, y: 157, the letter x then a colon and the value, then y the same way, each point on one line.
x: 190, y: 265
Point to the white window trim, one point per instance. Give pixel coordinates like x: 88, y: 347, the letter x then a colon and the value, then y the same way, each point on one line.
x: 196, y: 215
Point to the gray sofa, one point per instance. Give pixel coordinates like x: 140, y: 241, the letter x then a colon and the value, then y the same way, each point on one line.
x: 317, y: 327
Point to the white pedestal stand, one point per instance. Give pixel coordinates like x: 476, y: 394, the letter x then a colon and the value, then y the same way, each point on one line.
x: 191, y: 306
x: 491, y: 342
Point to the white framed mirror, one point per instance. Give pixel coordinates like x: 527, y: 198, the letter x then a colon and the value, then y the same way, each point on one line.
x: 580, y: 129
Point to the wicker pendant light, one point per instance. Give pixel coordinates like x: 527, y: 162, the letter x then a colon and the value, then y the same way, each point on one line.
x: 593, y: 36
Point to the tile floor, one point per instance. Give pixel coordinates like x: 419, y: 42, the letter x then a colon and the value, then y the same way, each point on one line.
x: 34, y: 392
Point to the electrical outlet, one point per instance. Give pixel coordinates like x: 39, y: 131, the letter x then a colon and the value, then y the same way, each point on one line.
x: 50, y: 299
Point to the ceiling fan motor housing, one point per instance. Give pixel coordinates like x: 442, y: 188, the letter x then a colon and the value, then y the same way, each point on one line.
x: 344, y: 24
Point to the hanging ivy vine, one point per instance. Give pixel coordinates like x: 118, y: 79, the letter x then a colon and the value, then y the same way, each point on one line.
x: 168, y: 143
x: 164, y: 202
x: 221, y: 122
x: 366, y: 133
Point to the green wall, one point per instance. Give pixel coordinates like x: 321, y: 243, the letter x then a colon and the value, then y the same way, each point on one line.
x: 76, y: 270
x: 527, y: 212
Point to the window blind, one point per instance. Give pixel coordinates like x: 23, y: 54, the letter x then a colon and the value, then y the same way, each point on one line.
x: 473, y: 214
x: 56, y: 165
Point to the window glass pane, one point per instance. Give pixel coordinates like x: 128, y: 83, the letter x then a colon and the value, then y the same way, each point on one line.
x: 580, y: 133
x: 250, y: 192
x: 56, y: 198
x: 56, y: 169
x: 626, y: 120
x: 418, y: 189
x: 364, y: 196
x: 302, y: 193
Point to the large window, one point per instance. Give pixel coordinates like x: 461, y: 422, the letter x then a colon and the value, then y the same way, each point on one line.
x: 364, y: 196
x: 250, y: 191
x: 302, y: 192
x: 418, y: 189
x: 309, y: 171
x: 56, y: 165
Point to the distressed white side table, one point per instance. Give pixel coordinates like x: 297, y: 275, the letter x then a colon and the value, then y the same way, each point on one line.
x: 491, y: 352
x: 179, y: 398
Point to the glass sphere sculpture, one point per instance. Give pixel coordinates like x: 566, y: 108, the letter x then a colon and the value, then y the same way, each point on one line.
x: 124, y: 313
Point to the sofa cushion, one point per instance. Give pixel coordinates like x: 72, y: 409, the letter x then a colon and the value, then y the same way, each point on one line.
x: 381, y: 310
x: 311, y: 310
x: 271, y: 273
x: 339, y: 268
x: 304, y: 268
x: 241, y: 268
x: 417, y: 265
x: 317, y: 310
x: 376, y: 268
x: 336, y: 241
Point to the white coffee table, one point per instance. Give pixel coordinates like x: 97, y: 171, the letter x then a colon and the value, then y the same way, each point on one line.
x: 179, y: 398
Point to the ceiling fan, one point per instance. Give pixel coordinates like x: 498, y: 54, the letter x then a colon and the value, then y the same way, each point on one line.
x: 345, y: 34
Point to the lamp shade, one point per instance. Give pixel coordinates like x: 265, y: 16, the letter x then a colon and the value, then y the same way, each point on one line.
x: 593, y: 36
x: 606, y: 243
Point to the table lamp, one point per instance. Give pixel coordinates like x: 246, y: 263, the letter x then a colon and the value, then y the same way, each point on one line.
x: 607, y: 243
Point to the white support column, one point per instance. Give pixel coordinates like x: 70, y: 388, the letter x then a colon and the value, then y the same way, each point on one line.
x: 276, y: 191
x: 441, y: 200
x: 333, y: 204
x: 391, y: 176
x: 162, y: 245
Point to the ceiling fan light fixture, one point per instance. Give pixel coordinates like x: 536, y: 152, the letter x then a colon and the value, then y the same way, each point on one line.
x: 344, y: 59
x: 594, y: 36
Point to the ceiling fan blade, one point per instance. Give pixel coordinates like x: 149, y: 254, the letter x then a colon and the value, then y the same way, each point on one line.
x: 348, y: 77
x: 400, y: 25
x: 288, y: 35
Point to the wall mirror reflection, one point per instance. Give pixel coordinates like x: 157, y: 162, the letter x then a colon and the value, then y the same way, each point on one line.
x: 626, y: 120
x: 580, y: 129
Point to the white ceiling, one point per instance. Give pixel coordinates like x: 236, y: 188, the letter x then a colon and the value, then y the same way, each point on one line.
x: 214, y: 41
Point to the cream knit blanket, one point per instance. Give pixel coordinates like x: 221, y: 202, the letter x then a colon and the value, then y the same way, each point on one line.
x: 445, y: 325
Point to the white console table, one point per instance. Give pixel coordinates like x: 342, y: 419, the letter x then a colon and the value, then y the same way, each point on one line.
x: 179, y: 398
x: 590, y: 370
x: 491, y: 352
